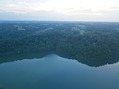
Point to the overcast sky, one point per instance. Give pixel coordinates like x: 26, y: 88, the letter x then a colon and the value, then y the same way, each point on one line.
x: 61, y: 10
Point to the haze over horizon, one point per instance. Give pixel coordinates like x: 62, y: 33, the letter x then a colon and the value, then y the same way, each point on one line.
x: 60, y: 10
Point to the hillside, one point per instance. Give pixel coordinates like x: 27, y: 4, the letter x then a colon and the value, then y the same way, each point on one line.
x: 85, y: 41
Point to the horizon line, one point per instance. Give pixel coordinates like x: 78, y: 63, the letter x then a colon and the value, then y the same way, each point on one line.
x: 56, y: 21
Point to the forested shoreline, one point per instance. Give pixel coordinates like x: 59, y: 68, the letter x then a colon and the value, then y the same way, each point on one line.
x: 80, y: 43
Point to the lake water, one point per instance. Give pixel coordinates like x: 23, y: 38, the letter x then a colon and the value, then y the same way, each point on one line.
x: 54, y: 72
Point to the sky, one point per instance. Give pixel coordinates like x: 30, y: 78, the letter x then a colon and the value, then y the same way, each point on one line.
x: 60, y: 10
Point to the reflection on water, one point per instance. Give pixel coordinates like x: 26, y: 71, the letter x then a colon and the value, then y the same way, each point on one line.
x: 89, y: 62
x: 55, y: 72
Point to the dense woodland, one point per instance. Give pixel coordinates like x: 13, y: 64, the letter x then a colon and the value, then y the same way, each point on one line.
x: 75, y: 40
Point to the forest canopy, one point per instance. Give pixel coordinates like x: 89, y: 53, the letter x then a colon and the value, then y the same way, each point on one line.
x: 81, y: 41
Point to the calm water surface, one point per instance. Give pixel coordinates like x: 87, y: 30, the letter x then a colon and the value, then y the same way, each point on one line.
x: 54, y: 72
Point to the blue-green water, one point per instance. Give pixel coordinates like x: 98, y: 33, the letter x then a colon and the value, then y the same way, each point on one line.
x: 54, y: 72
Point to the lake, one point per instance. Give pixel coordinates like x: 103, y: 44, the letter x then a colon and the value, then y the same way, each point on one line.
x: 55, y: 72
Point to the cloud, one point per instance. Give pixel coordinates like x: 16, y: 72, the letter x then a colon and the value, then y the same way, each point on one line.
x: 36, y: 15
x: 60, y: 9
x: 21, y: 1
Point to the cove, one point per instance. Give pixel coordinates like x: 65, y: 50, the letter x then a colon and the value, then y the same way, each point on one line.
x: 55, y: 72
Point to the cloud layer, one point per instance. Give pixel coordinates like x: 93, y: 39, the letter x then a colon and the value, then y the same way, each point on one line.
x: 79, y: 10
